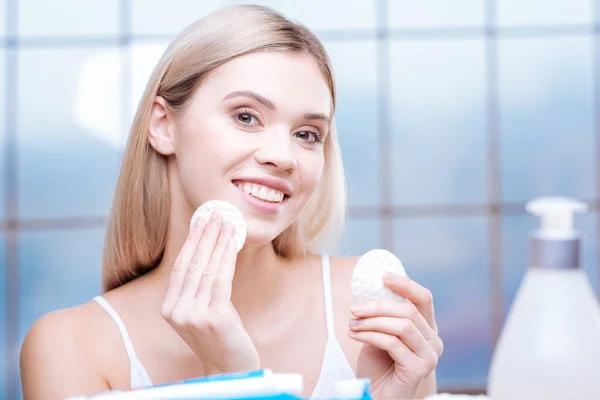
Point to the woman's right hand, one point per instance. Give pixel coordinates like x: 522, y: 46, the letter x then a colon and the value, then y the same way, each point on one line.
x: 198, y: 305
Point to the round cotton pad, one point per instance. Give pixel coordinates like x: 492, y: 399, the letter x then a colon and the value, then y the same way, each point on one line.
x: 229, y: 213
x: 367, y: 278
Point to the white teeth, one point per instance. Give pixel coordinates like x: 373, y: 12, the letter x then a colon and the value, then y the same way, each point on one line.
x: 273, y: 195
x: 261, y: 192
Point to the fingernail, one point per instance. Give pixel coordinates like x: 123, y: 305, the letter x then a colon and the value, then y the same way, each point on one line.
x: 357, y: 310
x: 391, y: 277
x: 214, y: 216
x: 228, y: 227
x: 353, y: 323
x: 198, y: 222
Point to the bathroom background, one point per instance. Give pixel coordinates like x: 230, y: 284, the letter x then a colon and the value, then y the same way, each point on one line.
x: 452, y: 114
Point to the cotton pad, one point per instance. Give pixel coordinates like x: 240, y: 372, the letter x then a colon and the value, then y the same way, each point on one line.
x: 229, y: 213
x: 367, y: 278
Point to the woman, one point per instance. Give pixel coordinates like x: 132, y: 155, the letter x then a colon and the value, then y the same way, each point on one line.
x: 240, y: 108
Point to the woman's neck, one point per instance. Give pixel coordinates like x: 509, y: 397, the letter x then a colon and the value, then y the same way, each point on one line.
x: 260, y: 272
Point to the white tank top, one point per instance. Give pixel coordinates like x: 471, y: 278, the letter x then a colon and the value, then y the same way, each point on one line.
x: 335, y: 366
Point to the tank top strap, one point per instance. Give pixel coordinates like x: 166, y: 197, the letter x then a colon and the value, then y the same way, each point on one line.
x: 138, y: 375
x: 327, y: 296
x: 124, y: 334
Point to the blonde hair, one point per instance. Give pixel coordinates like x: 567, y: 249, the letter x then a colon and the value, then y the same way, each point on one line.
x: 138, y: 222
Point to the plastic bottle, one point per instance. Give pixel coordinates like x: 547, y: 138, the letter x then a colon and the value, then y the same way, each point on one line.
x: 549, y: 347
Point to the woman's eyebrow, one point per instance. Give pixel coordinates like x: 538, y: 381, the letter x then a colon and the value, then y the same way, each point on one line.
x: 253, y: 95
x: 317, y: 116
x: 271, y: 106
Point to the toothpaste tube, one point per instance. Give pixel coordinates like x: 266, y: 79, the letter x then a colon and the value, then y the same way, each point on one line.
x: 224, y: 386
x: 260, y: 373
x: 255, y: 385
x: 353, y: 389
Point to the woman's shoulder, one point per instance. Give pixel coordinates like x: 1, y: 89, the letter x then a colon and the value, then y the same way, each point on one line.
x: 344, y: 262
x: 68, y: 326
x: 342, y: 268
x: 65, y: 348
x: 81, y: 329
x: 86, y: 329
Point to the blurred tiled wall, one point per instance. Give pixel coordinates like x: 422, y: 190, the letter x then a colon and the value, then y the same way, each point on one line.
x: 452, y: 114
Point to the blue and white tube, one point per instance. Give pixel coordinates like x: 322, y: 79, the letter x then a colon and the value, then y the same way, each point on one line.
x: 222, y: 386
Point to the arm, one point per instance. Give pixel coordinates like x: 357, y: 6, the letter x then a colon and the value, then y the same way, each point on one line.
x: 53, y: 360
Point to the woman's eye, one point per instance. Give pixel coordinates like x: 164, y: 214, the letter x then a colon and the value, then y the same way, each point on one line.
x: 246, y: 118
x: 309, y: 136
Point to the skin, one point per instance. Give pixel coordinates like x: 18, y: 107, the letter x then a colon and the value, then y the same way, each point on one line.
x: 206, y: 309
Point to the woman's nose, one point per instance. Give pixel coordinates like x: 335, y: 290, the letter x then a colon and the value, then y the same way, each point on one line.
x: 277, y: 150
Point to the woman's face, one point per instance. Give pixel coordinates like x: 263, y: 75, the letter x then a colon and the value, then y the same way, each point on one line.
x: 252, y: 134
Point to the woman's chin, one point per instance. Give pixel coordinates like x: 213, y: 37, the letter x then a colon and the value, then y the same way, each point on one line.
x: 262, y: 233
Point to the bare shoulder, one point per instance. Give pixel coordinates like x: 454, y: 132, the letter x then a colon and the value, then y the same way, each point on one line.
x: 346, y: 263
x: 341, y: 278
x: 343, y: 267
x: 61, y: 355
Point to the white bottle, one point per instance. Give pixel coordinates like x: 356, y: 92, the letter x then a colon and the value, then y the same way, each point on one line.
x: 549, y: 347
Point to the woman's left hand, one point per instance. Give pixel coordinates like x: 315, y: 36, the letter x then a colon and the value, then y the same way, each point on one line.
x: 401, y: 343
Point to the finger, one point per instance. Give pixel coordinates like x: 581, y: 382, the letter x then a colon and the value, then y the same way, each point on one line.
x: 395, y: 309
x: 223, y: 281
x: 403, y: 328
x: 180, y: 268
x: 438, y: 345
x: 397, y: 350
x: 214, y: 265
x: 417, y: 294
x: 201, y: 257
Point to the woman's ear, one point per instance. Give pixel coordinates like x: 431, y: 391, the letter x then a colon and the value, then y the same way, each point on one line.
x: 160, y: 129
